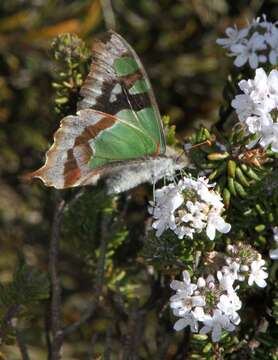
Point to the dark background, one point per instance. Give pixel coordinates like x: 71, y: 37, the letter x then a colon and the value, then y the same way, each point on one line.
x: 176, y: 42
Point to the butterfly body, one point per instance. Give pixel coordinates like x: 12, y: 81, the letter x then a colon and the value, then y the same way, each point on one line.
x: 117, y: 129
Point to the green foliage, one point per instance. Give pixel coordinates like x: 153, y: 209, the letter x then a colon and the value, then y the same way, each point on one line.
x: 29, y: 285
x: 202, y: 348
x: 72, y: 60
x: 169, y: 131
x: 166, y: 251
x: 245, y: 178
x: 96, y: 212
x: 266, y: 345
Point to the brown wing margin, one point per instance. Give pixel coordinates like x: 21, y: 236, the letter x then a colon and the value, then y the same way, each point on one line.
x: 66, y: 160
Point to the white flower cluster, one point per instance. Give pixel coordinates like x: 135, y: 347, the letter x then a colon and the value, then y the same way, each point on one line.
x: 256, y: 43
x: 208, y: 302
x: 273, y: 253
x: 257, y: 108
x: 215, y: 303
x: 245, y: 263
x: 187, y: 208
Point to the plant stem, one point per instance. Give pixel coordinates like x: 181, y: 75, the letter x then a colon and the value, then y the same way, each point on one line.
x: 56, y: 323
x: 56, y: 329
x: 22, y: 346
x: 108, y: 14
x: 10, y: 313
x: 98, y: 282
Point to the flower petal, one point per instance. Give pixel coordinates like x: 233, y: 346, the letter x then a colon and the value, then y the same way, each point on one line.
x: 180, y: 324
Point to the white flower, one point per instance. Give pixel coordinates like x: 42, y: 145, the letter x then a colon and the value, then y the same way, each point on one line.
x: 233, y: 36
x: 210, y: 281
x: 272, y: 39
x: 273, y: 86
x: 226, y: 281
x: 257, y: 273
x: 273, y: 253
x: 187, y: 320
x: 244, y: 106
x: 234, y: 269
x: 188, y: 207
x: 269, y: 136
x: 231, y: 269
x: 201, y: 282
x: 184, y: 286
x: 184, y: 231
x: 275, y: 234
x: 254, y: 44
x: 216, y: 222
x: 167, y: 200
x: 185, y: 299
x: 229, y: 305
x: 191, y: 305
x: 247, y: 51
x: 215, y: 324
x: 190, y: 319
x: 257, y: 108
x: 183, y: 303
x: 259, y: 91
x: 256, y: 124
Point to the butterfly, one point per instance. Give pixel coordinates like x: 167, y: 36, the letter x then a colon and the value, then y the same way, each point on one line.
x: 117, y: 133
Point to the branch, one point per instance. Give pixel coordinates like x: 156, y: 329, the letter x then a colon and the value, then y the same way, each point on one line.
x: 98, y: 282
x: 22, y: 346
x: 10, y: 313
x: 57, y: 335
x: 134, y: 334
x: 108, y: 14
x: 163, y: 347
x: 56, y: 324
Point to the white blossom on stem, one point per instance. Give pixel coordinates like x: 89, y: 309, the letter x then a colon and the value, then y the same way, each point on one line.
x: 215, y: 324
x: 229, y: 304
x: 208, y: 303
x: 257, y: 108
x: 258, y: 273
x: 189, y: 207
x: 256, y: 43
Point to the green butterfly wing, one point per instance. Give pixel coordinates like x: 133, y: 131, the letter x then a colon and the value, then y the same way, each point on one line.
x: 118, y: 84
x: 118, y: 119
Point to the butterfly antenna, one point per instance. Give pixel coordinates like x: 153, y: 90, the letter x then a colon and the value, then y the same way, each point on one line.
x: 206, y: 142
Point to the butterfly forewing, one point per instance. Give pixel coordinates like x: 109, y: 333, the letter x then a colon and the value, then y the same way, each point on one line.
x: 118, y: 83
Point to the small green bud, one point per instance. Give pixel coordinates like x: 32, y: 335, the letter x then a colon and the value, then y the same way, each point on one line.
x: 260, y: 228
x: 215, y: 156
x: 240, y: 190
x: 242, y: 179
x: 231, y: 167
x: 231, y: 186
x: 61, y: 100
x: 226, y: 197
x: 259, y: 209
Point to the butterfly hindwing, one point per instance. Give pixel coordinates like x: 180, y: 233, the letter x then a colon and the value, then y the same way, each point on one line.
x: 118, y: 120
